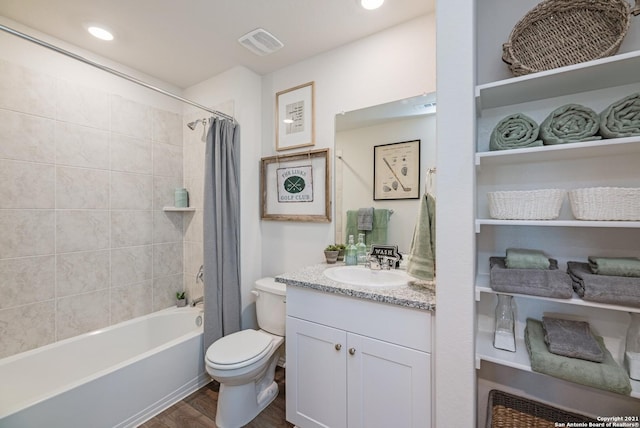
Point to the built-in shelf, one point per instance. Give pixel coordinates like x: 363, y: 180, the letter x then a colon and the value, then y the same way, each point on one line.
x: 177, y: 209
x: 519, y: 359
x: 556, y: 223
x: 602, y: 73
x: 560, y: 152
x: 482, y: 286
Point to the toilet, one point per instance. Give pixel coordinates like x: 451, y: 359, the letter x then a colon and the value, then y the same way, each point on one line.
x: 245, y: 362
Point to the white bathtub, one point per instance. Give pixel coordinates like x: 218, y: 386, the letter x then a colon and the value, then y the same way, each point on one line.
x: 119, y: 376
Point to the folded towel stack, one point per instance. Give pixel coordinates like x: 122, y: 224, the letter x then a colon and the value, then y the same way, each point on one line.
x: 514, y: 132
x: 622, y: 118
x: 571, y: 339
x: 607, y: 375
x: 615, y: 266
x: 616, y: 290
x: 571, y: 123
x: 550, y: 282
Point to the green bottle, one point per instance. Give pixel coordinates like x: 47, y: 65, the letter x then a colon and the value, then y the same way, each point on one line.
x: 361, y: 250
x: 351, y: 253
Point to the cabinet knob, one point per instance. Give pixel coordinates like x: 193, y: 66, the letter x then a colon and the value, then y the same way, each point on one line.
x: 352, y: 351
x: 338, y: 346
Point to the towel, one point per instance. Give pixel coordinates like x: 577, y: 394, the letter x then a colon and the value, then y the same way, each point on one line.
x: 570, y: 124
x: 616, y: 290
x: 615, y: 266
x: 534, y: 282
x: 515, y: 132
x: 607, y: 375
x: 422, y: 256
x: 622, y: 118
x: 571, y: 339
x: 521, y: 258
x: 378, y: 233
x: 365, y: 219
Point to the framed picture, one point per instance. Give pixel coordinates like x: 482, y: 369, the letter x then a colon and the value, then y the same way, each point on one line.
x: 295, y: 113
x: 295, y: 187
x: 396, y: 171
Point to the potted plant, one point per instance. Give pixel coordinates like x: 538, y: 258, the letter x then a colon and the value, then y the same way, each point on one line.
x: 181, y: 299
x: 331, y: 253
x: 341, y: 249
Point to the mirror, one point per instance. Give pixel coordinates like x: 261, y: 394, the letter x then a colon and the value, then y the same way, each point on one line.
x: 358, y: 132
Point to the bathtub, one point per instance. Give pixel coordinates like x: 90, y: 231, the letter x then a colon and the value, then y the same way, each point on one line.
x: 119, y: 376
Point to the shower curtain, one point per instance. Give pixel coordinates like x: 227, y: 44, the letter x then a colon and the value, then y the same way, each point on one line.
x: 221, y: 231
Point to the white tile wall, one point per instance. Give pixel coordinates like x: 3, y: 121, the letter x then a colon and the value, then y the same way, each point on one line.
x: 84, y: 242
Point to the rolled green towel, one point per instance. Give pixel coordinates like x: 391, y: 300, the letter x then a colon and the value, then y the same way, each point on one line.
x: 522, y: 258
x: 570, y: 124
x: 515, y: 131
x: 615, y: 266
x: 607, y: 375
x: 622, y: 118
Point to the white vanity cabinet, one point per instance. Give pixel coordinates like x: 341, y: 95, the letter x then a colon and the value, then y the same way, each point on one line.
x: 356, y: 363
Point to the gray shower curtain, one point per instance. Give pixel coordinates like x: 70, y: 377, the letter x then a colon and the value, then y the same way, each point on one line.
x: 222, y: 231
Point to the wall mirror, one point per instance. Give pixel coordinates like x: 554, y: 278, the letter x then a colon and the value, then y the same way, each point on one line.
x: 358, y: 133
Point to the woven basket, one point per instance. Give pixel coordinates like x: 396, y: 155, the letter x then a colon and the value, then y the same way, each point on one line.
x: 541, y: 204
x: 557, y: 33
x: 605, y: 203
x: 510, y: 411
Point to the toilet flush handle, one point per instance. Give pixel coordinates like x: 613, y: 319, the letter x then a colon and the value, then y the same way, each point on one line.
x: 255, y: 293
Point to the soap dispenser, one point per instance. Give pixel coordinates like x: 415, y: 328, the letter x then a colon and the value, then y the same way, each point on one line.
x: 351, y: 253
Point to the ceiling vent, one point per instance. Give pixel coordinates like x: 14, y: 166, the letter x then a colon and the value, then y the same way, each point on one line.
x: 260, y: 42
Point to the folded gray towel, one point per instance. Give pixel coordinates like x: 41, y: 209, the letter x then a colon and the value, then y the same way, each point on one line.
x: 535, y: 282
x: 616, y: 290
x: 365, y: 218
x: 515, y: 131
x: 622, y: 118
x: 570, y: 124
x: 571, y: 339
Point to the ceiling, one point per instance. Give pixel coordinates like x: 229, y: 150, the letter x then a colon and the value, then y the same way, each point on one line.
x: 187, y: 42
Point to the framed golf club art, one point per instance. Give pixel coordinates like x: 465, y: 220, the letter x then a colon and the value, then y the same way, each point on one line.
x: 295, y: 187
x: 396, y: 171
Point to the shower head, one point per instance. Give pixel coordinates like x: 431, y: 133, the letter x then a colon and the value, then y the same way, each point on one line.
x: 192, y: 125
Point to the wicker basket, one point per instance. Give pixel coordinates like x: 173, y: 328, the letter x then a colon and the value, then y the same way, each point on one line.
x: 557, y: 33
x: 542, y: 204
x: 510, y: 411
x: 605, y: 203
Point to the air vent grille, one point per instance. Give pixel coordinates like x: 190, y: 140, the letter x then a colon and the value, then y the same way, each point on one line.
x: 260, y: 42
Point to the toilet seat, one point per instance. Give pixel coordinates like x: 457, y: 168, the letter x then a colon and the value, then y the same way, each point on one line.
x: 239, y: 349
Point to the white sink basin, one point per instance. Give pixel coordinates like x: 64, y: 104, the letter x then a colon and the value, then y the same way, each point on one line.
x: 359, y: 275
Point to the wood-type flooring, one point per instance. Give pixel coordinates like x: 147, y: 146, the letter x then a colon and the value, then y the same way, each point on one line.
x: 198, y: 410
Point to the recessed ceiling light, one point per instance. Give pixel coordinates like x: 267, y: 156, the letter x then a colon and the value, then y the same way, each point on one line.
x: 100, y: 33
x: 371, y: 4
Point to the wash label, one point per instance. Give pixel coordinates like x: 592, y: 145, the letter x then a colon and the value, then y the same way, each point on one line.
x: 380, y: 251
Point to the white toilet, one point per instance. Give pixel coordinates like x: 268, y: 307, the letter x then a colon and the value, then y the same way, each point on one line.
x: 245, y: 362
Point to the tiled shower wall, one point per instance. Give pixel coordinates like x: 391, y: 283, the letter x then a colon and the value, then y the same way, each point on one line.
x: 84, y: 242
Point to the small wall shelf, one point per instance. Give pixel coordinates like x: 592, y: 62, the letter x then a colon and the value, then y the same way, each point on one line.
x: 177, y: 209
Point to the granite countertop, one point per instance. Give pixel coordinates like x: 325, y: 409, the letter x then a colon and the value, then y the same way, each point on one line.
x: 410, y: 296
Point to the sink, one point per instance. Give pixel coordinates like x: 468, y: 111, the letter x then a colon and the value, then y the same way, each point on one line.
x: 359, y: 275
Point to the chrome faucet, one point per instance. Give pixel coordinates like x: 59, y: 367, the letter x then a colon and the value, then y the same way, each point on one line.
x: 380, y: 262
x: 197, y: 300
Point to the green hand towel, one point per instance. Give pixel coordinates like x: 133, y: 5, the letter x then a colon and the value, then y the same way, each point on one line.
x: 378, y: 233
x: 622, y: 118
x: 515, y: 131
x: 522, y: 258
x: 607, y: 375
x: 615, y: 266
x: 570, y: 124
x: 422, y: 257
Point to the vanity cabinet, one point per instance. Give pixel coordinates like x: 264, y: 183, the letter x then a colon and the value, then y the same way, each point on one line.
x: 601, y: 163
x: 354, y: 363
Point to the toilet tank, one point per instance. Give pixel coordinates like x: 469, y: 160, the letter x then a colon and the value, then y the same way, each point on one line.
x: 270, y: 305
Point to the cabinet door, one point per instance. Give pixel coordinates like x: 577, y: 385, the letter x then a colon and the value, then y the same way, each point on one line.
x: 388, y: 385
x: 316, y: 375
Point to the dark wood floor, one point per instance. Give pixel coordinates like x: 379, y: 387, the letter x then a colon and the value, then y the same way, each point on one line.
x: 198, y: 410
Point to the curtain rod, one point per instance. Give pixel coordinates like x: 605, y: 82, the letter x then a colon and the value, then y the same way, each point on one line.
x: 110, y: 70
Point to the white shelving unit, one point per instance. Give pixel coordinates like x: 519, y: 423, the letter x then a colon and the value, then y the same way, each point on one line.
x: 561, y: 166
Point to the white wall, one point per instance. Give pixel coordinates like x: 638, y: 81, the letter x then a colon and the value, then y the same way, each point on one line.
x: 387, y: 66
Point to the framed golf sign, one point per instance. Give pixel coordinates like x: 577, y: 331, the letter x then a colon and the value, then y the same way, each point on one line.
x: 295, y: 187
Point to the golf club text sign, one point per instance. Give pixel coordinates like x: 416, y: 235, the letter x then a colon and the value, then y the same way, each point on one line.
x: 295, y: 184
x: 396, y: 171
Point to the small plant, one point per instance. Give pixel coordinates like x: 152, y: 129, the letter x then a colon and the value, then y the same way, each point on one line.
x: 180, y: 295
x: 341, y: 247
x: 332, y: 248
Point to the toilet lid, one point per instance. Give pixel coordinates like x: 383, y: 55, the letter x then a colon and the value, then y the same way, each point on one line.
x: 239, y: 349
